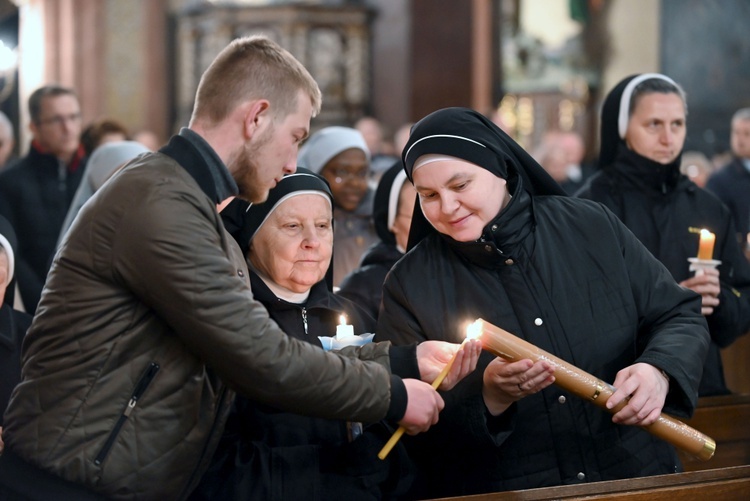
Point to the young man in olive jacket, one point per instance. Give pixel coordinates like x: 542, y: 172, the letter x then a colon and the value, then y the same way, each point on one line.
x: 147, y: 315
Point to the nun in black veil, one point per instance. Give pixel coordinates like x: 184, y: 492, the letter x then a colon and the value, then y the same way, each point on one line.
x: 13, y: 323
x: 493, y: 237
x: 393, y: 208
x: 643, y: 131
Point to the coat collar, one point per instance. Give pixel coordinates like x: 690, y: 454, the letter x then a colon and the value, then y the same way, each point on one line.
x: 197, y: 157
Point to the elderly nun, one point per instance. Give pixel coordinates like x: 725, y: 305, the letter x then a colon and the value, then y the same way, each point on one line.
x: 270, y: 454
x: 13, y: 323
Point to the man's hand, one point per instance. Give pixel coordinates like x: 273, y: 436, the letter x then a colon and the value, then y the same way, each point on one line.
x: 708, y: 286
x: 423, y: 408
x: 645, y: 388
x: 505, y: 382
x: 432, y: 356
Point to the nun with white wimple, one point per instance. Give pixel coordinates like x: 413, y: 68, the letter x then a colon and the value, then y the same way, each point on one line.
x: 13, y: 323
x: 643, y: 132
x: 341, y: 156
x: 268, y: 453
x: 394, y: 205
x: 493, y: 236
x: 105, y: 160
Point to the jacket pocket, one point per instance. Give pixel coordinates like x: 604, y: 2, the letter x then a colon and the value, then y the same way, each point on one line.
x: 138, y: 391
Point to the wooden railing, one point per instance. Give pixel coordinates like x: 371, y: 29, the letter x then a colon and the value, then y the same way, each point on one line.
x: 727, y: 420
x: 723, y: 484
x: 725, y: 477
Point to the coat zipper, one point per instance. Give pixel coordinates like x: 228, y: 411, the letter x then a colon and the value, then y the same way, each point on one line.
x: 304, y: 319
x: 138, y: 391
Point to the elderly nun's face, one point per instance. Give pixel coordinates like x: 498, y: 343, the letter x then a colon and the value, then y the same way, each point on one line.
x: 459, y: 198
x: 293, y: 247
x: 656, y: 128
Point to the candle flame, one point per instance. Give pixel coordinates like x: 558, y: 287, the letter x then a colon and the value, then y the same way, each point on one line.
x: 474, y: 329
x: 342, y: 319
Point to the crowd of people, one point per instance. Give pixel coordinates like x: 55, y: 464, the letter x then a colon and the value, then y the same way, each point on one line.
x: 246, y: 312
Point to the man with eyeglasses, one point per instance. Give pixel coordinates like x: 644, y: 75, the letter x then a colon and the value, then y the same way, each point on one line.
x: 36, y: 191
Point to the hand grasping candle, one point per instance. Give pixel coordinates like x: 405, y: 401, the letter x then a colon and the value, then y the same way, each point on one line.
x: 509, y: 347
x: 472, y: 332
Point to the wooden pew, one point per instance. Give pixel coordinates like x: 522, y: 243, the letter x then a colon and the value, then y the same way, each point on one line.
x: 723, y: 484
x: 735, y: 358
x: 726, y: 419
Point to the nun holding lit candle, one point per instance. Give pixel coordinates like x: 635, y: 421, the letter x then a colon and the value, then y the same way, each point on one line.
x: 493, y: 236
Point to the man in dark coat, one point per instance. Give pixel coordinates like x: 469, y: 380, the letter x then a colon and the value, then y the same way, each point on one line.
x: 36, y: 191
x: 492, y: 238
x: 643, y: 130
x: 731, y: 183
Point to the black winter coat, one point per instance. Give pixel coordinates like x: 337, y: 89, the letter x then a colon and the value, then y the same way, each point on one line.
x: 566, y: 275
x: 13, y: 327
x: 666, y: 211
x: 364, y: 286
x: 266, y: 453
x: 35, y: 194
x: 731, y: 184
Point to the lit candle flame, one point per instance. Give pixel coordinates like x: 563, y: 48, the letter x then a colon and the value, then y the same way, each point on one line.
x: 474, y: 329
x: 342, y: 319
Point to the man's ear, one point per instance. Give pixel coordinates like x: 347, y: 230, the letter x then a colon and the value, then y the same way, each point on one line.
x: 257, y: 113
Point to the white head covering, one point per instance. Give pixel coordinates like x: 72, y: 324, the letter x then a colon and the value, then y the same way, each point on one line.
x: 4, y: 243
x: 623, y: 117
x: 104, y: 160
x: 327, y: 143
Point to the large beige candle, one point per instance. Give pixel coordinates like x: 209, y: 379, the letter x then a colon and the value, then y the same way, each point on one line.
x: 580, y: 383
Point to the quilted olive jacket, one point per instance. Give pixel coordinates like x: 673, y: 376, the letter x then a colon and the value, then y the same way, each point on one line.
x: 146, y: 316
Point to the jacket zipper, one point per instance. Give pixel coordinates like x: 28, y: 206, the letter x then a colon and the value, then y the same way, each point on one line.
x: 304, y: 319
x: 138, y: 391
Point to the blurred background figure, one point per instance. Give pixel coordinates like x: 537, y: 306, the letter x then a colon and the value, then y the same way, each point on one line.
x: 104, y: 161
x: 36, y: 191
x: 381, y: 149
x: 341, y: 156
x: 102, y: 131
x: 13, y: 324
x: 394, y: 205
x: 149, y: 139
x: 575, y: 151
x: 561, y: 153
x: 7, y: 141
x: 697, y: 167
x: 400, y: 138
x: 553, y: 158
x: 731, y: 183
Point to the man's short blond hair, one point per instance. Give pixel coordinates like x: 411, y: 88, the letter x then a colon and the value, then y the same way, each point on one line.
x: 252, y: 68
